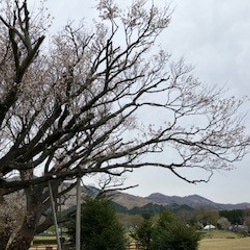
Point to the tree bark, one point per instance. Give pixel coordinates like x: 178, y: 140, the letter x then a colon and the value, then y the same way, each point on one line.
x: 4, y: 237
x: 25, y: 235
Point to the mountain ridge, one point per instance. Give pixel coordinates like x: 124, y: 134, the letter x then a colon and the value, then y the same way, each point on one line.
x: 194, y: 201
x: 131, y: 201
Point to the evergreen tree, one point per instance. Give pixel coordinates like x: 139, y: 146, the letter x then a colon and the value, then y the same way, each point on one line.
x: 100, y: 229
x: 167, y: 234
x: 143, y: 233
x: 171, y: 234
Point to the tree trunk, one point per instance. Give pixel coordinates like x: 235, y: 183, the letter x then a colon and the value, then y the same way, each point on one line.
x: 25, y: 235
x: 4, y: 240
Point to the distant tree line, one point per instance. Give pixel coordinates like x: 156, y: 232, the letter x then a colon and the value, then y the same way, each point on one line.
x: 234, y: 216
x: 198, y: 217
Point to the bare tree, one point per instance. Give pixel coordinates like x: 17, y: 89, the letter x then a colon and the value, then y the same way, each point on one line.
x: 75, y: 109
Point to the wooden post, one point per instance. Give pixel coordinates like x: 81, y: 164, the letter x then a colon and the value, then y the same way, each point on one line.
x: 54, y: 216
x: 78, y: 214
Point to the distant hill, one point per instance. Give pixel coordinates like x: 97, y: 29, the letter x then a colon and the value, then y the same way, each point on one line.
x: 194, y: 201
x: 130, y: 201
x: 155, y: 201
x: 150, y: 208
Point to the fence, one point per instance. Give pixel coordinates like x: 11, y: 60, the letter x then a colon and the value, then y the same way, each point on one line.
x: 43, y: 247
x: 132, y: 246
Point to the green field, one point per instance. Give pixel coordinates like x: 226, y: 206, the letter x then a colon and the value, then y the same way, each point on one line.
x: 222, y: 240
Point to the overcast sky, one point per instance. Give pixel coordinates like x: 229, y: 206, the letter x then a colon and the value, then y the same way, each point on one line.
x: 214, y: 36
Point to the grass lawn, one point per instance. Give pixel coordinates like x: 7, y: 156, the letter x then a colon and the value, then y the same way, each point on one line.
x: 44, y: 240
x: 52, y: 237
x: 223, y: 240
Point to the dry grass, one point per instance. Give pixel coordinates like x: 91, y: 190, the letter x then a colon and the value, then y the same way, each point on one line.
x: 224, y: 240
x: 220, y: 234
x: 225, y: 244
